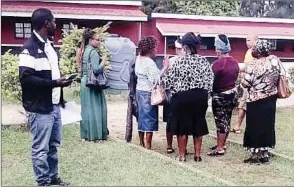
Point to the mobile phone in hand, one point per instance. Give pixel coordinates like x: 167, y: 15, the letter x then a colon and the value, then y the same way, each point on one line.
x: 71, y: 76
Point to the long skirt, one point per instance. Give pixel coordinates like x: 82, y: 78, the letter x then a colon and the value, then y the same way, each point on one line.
x: 260, y: 125
x: 148, y: 114
x: 188, y: 112
x: 94, y: 113
x: 222, y: 108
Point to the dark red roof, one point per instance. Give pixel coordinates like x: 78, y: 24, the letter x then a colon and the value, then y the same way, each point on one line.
x: 241, y: 29
x: 74, y: 9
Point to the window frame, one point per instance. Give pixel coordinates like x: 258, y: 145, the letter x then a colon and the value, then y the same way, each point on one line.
x: 70, y: 27
x: 24, y: 26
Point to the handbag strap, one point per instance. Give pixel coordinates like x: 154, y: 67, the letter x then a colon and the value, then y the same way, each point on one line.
x: 282, y: 68
x: 89, y: 60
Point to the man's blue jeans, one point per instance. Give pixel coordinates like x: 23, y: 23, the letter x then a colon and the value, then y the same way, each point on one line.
x: 46, y: 132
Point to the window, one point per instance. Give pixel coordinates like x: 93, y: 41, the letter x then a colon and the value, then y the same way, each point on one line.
x: 207, y: 43
x: 69, y: 27
x: 23, y: 30
x: 277, y: 45
x: 170, y: 40
x: 280, y: 45
x: 273, y: 42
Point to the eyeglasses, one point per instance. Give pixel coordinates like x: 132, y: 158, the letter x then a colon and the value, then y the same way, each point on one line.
x: 99, y: 40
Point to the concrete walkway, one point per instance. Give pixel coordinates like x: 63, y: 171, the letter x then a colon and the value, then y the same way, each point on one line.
x: 11, y: 113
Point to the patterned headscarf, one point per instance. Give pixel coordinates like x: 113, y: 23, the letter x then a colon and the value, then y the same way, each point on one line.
x: 262, y: 47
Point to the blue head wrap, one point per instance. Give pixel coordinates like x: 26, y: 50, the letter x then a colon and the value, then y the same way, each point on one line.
x: 222, y: 46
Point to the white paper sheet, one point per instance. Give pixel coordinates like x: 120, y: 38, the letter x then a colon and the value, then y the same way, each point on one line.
x: 71, y: 113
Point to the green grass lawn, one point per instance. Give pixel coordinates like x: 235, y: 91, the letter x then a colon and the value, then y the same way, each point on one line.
x: 230, y: 167
x: 89, y: 164
x: 115, y: 163
x: 284, y: 130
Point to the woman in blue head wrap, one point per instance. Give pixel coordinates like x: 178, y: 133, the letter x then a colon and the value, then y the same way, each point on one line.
x: 226, y: 70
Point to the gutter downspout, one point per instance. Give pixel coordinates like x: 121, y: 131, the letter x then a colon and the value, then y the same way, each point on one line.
x: 140, y: 31
x: 165, y: 45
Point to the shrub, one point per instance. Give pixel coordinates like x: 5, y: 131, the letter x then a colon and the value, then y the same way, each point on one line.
x: 10, y: 80
x: 291, y: 73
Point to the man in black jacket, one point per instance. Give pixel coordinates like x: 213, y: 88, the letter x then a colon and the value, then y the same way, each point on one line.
x: 42, y: 97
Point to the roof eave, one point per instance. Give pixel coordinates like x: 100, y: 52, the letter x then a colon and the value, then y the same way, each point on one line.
x: 87, y: 17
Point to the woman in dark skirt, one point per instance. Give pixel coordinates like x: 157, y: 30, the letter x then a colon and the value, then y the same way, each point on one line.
x: 166, y: 106
x: 261, y: 80
x: 190, y: 80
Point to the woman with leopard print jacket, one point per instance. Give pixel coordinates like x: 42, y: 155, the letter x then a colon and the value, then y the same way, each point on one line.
x: 190, y: 81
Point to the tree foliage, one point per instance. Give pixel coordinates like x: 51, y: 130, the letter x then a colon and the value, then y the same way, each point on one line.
x: 212, y: 8
x: 68, y: 48
x: 11, y: 89
x: 247, y: 8
x: 209, y: 8
x: 159, y: 7
x: 273, y: 9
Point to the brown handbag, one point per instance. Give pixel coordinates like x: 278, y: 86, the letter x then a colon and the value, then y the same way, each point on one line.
x: 283, y: 85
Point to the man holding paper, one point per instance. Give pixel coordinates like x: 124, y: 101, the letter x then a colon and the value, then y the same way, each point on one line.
x: 42, y: 96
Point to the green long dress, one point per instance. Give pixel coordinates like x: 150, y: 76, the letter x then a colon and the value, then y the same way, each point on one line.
x: 93, y: 103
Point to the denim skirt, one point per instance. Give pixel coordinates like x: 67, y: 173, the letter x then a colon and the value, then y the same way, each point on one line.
x: 148, y: 114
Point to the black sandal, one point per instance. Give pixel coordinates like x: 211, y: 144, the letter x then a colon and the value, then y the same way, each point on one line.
x: 252, y: 160
x: 197, y: 159
x: 216, y: 153
x: 142, y: 144
x: 264, y: 160
x: 170, y: 150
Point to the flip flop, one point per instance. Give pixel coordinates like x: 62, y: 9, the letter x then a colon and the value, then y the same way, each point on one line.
x: 216, y: 153
x: 214, y: 147
x: 181, y: 158
x: 170, y: 150
x: 236, y: 131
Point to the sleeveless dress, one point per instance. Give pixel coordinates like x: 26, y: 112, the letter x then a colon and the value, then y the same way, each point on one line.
x: 93, y: 103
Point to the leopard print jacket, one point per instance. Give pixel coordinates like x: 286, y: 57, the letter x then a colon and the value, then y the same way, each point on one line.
x: 188, y: 72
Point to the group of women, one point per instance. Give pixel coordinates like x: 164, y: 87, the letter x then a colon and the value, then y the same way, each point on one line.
x: 189, y: 80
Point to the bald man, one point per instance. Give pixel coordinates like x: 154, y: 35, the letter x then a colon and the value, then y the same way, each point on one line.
x: 250, y: 42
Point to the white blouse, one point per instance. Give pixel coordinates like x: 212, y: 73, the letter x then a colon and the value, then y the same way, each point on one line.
x: 147, y: 73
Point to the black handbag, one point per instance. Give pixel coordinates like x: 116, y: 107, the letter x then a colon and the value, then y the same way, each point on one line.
x: 99, y: 80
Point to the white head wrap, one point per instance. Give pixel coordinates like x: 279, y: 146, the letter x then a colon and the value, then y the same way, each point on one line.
x: 177, y: 44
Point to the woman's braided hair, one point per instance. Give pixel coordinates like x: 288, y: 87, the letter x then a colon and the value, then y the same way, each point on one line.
x: 87, y: 34
x: 147, y: 45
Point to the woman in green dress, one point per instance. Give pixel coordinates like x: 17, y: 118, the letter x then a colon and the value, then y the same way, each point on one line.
x: 94, y: 110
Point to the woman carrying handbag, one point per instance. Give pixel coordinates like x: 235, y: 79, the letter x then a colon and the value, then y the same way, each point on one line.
x: 147, y: 75
x: 93, y: 103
